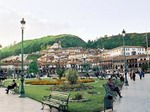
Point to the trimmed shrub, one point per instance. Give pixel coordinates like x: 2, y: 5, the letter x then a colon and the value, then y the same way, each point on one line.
x: 78, y: 96
x: 71, y: 76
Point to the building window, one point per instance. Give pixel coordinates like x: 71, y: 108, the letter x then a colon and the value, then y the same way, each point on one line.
x: 133, y: 53
x: 127, y: 54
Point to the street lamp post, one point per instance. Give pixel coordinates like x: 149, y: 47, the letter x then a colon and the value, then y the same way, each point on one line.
x: 124, y: 56
x: 0, y: 57
x: 22, y: 91
x: 148, y: 69
x: 1, y: 73
x: 0, y: 51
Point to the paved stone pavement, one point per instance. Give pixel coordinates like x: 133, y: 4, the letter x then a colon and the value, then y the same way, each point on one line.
x: 136, y: 96
x: 12, y: 103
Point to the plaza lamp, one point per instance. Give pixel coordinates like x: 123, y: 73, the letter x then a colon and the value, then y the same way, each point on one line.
x: 124, y: 58
x: 22, y: 91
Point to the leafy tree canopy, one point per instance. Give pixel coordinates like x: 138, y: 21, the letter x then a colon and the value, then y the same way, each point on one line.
x: 33, y: 67
x: 110, y: 42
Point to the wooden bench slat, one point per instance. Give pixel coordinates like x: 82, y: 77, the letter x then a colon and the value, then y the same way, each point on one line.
x: 108, y: 90
x: 58, y: 100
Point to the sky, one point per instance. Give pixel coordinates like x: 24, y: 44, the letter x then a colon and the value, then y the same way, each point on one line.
x: 88, y: 19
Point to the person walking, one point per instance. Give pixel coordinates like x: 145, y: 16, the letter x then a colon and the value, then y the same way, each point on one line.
x: 141, y: 74
x: 133, y: 76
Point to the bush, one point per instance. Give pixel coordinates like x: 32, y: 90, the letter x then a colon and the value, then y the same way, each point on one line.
x: 78, y: 96
x: 71, y: 76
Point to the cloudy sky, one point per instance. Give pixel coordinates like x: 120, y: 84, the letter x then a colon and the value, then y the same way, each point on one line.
x: 88, y: 19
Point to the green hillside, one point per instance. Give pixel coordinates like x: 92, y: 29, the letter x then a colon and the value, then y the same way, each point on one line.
x: 109, y: 42
x: 41, y: 43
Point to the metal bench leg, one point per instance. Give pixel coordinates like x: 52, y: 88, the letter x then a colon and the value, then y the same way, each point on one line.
x: 42, y: 106
x: 50, y: 108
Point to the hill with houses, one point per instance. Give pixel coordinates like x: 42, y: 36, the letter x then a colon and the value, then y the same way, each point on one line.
x: 39, y: 44
x: 67, y: 40
x: 74, y: 52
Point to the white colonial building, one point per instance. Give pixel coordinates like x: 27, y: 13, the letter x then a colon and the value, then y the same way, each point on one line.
x: 129, y: 51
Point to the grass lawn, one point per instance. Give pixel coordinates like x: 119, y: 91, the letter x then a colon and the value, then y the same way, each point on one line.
x: 95, y: 104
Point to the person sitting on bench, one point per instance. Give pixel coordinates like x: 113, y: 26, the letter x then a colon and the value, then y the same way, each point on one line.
x: 12, y: 86
x: 113, y: 87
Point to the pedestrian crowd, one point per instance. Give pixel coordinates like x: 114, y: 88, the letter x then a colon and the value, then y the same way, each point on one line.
x: 133, y: 74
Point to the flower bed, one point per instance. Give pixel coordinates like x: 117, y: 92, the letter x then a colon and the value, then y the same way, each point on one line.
x: 55, y: 81
x: 86, y: 80
x: 68, y: 87
x: 44, y: 82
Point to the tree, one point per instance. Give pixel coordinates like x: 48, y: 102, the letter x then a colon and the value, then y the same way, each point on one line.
x: 86, y: 66
x: 9, y: 72
x: 95, y: 68
x: 33, y: 67
x: 144, y: 67
x: 60, y: 72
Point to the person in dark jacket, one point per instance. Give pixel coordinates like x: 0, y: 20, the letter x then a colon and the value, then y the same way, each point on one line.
x: 113, y: 87
x: 141, y: 74
x: 133, y: 76
x: 13, y: 85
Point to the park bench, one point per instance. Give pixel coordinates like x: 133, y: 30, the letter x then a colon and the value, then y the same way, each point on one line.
x: 118, y: 83
x: 111, y: 95
x: 15, y: 90
x: 108, y: 90
x: 56, y: 99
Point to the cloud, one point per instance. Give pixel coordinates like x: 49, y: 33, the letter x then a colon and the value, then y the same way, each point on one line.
x: 35, y: 26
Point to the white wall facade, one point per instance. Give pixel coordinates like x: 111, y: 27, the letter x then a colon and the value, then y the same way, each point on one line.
x: 129, y: 50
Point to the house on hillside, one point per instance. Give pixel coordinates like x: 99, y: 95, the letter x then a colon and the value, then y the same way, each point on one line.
x: 129, y: 51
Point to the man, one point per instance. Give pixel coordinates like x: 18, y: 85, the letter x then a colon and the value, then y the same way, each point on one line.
x: 13, y: 85
x: 113, y: 87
